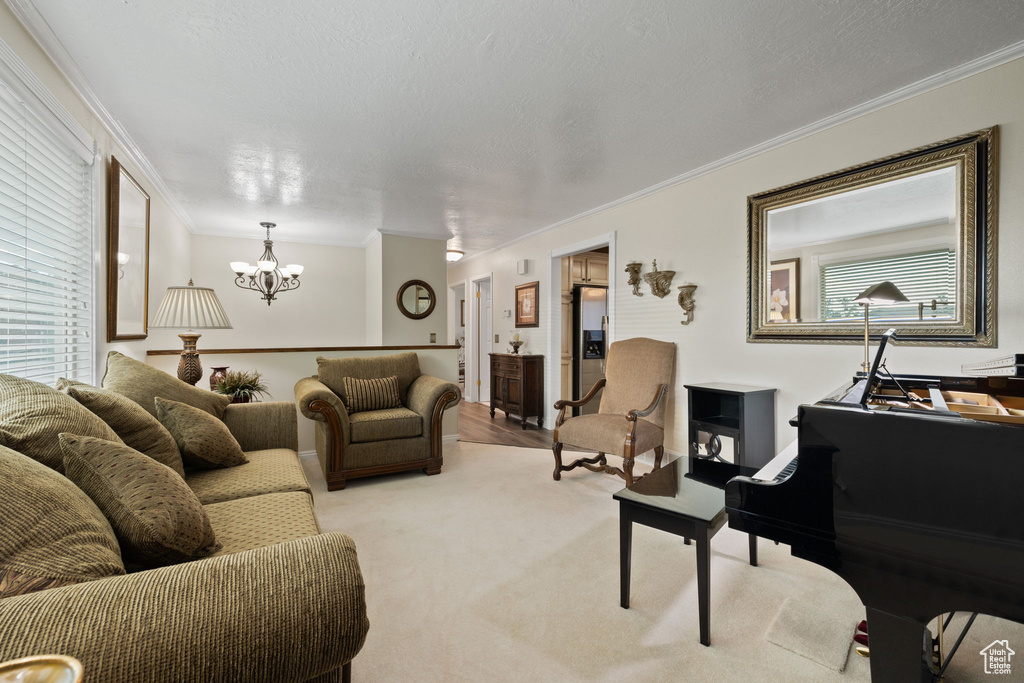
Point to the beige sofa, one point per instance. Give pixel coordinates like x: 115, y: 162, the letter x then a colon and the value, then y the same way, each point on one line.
x: 280, y: 601
x: 372, y: 442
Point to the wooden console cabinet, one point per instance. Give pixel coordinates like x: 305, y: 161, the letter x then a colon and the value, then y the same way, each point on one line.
x: 517, y: 386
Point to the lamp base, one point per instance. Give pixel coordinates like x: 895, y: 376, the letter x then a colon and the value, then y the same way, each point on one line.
x: 190, y: 370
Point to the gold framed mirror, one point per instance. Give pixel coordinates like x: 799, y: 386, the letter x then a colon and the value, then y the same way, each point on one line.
x: 416, y: 299
x: 127, y: 257
x: 924, y: 220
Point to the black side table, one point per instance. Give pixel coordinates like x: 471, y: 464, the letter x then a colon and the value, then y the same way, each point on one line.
x: 744, y: 413
x: 685, y: 497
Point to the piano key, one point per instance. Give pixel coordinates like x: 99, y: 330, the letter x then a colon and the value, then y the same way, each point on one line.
x: 785, y: 459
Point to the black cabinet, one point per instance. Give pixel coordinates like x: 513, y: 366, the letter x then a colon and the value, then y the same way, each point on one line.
x: 743, y: 413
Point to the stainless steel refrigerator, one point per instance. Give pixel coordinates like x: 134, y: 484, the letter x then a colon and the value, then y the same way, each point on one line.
x: 590, y: 323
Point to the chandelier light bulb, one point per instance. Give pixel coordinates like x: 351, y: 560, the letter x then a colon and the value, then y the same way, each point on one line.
x: 266, y: 266
x: 239, y: 266
x: 295, y: 269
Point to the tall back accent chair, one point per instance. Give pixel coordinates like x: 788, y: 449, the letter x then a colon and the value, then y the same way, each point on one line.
x: 631, y: 419
x: 375, y: 415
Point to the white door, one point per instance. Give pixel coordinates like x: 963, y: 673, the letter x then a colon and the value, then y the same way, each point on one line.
x: 485, y: 338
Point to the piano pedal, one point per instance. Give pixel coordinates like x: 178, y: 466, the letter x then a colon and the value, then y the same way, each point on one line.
x: 863, y: 651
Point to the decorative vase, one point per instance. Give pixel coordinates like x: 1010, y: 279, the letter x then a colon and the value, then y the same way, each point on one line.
x: 241, y: 399
x: 516, y: 345
x: 218, y: 374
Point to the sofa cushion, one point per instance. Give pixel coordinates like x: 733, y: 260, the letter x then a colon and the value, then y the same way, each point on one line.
x: 33, y: 414
x: 136, y: 427
x: 142, y: 383
x: 380, y: 425
x: 204, y: 441
x: 156, y: 517
x: 249, y: 523
x: 275, y: 470
x: 52, y: 533
x: 404, y: 366
x: 376, y: 393
x: 607, y: 434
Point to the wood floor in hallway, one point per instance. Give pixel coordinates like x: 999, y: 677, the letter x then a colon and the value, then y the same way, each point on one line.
x: 477, y: 426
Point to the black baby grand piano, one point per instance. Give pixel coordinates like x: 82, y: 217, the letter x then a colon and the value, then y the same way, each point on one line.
x: 919, y: 509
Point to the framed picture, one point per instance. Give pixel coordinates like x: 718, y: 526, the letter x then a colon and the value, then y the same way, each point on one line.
x: 527, y: 297
x: 462, y: 312
x: 784, y: 291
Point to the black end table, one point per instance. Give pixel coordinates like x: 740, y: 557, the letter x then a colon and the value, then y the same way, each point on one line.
x: 685, y: 497
x: 743, y: 413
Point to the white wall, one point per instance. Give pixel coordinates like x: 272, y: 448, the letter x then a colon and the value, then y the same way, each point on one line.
x: 413, y: 258
x: 328, y: 308
x: 698, y: 229
x: 374, y: 266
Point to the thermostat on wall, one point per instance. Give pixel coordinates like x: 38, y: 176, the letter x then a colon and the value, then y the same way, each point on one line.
x: 522, y: 266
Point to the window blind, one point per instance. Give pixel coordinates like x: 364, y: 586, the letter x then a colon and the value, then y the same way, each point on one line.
x: 923, y: 278
x: 45, y: 249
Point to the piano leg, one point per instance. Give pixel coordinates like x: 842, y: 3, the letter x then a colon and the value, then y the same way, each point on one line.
x: 898, y: 649
x: 752, y: 541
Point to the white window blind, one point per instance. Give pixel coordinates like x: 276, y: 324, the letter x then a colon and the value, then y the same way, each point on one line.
x: 923, y: 278
x: 45, y: 249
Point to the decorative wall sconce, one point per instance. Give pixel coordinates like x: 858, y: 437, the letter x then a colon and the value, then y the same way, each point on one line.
x: 686, y: 301
x: 122, y: 261
x: 634, y: 277
x: 660, y: 281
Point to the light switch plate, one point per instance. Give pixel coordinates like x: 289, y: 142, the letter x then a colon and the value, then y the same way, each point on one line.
x: 433, y: 337
x: 496, y: 339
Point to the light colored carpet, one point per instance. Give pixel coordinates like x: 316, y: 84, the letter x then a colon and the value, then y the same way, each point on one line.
x: 804, y: 628
x: 491, y: 571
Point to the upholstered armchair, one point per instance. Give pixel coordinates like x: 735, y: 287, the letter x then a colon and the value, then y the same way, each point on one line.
x: 631, y: 418
x: 352, y: 441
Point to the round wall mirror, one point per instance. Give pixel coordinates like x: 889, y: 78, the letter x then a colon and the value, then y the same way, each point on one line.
x: 416, y: 299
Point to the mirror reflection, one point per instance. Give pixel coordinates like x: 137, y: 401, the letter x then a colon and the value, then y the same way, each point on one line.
x: 922, y: 220
x: 825, y: 251
x: 416, y: 299
x: 128, y: 269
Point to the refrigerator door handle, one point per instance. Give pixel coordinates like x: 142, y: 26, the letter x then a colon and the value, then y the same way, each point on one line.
x: 604, y: 340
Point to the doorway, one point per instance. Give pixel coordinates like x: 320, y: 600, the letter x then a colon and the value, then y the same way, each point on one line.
x: 484, y: 327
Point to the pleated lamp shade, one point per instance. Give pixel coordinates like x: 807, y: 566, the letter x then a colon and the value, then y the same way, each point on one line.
x: 192, y: 308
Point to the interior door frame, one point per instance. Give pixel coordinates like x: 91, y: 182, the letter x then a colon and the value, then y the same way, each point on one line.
x: 473, y: 351
x: 553, y: 369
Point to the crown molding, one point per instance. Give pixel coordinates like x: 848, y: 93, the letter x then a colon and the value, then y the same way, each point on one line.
x: 409, y: 233
x: 939, y: 80
x: 282, y: 240
x: 36, y: 25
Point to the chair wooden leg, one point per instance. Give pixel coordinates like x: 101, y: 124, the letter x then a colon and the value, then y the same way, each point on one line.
x: 659, y: 452
x: 627, y: 466
x: 556, y: 448
x: 346, y: 672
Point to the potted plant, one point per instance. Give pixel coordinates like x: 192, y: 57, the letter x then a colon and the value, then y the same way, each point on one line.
x: 242, y: 385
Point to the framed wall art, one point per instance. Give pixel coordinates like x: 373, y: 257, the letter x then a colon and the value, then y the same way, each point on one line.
x: 784, y: 290
x: 527, y: 298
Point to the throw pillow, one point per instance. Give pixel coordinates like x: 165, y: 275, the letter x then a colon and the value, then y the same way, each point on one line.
x: 52, y: 533
x: 130, y: 421
x: 156, y: 517
x: 142, y: 383
x: 371, y: 394
x: 33, y: 414
x: 204, y: 441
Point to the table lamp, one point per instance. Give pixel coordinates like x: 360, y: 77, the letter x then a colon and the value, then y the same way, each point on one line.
x: 882, y: 293
x: 191, y: 307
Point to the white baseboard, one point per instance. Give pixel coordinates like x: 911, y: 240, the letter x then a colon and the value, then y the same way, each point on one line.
x: 307, y: 454
x: 449, y: 438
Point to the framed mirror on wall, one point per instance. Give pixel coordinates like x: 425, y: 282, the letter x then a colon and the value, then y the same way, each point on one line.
x: 416, y: 299
x: 924, y: 220
x: 127, y: 257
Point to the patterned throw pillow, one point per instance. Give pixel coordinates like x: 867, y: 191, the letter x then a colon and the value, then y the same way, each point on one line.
x: 142, y: 383
x: 156, y: 517
x: 33, y: 414
x: 52, y: 533
x: 136, y: 427
x: 204, y: 441
x: 371, y: 394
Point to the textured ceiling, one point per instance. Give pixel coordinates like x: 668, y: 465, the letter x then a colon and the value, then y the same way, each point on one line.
x: 485, y: 119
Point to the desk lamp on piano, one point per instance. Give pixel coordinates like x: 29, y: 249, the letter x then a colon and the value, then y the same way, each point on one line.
x: 910, y: 488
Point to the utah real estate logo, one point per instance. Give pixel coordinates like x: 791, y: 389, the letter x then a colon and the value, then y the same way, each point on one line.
x: 997, y: 657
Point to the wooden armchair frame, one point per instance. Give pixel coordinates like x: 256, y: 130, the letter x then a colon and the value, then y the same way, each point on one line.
x: 600, y: 462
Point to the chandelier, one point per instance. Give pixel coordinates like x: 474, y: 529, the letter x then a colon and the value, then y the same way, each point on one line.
x: 266, y: 277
